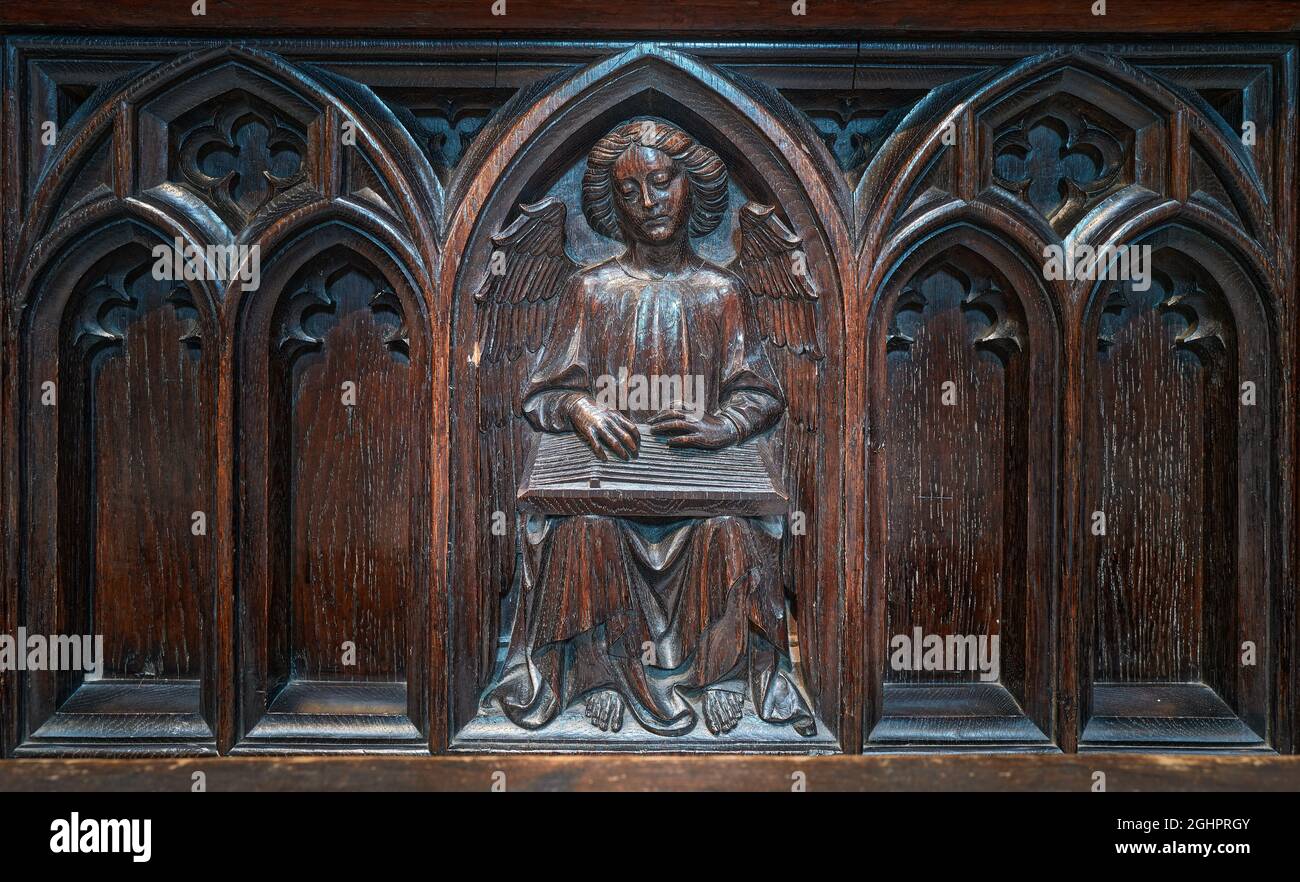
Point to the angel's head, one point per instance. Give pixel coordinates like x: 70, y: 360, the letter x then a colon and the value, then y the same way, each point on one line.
x: 648, y: 180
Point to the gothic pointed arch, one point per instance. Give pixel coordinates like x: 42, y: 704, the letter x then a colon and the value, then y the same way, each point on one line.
x: 236, y: 136
x: 334, y: 356
x: 121, y: 364
x: 542, y: 158
x: 1178, y: 426
x: 1071, y: 140
x: 966, y: 365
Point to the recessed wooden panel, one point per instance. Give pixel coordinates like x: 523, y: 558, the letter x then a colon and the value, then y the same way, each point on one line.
x: 1159, y: 413
x: 127, y: 426
x: 954, y: 430
x: 331, y: 608
x: 1176, y: 489
x: 346, y: 466
x: 962, y: 543
x: 153, y: 573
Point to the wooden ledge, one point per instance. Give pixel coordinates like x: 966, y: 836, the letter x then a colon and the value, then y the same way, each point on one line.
x: 1124, y: 772
x: 667, y: 18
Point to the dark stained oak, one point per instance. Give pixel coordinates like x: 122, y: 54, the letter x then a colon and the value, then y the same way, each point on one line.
x: 861, y: 222
x: 1124, y: 773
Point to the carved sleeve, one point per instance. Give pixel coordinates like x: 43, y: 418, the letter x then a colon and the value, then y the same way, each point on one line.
x: 561, y: 372
x: 749, y: 395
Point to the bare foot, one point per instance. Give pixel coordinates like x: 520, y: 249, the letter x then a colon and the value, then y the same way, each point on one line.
x: 722, y: 710
x: 806, y: 727
x: 605, y: 710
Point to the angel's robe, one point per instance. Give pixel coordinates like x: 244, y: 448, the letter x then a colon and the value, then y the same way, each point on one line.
x: 598, y: 590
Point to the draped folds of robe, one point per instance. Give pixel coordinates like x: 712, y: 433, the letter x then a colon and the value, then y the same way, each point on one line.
x: 656, y: 609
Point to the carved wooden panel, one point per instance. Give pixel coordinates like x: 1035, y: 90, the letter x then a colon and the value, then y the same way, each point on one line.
x: 963, y: 544
x: 701, y: 623
x: 416, y: 395
x: 1161, y: 630
x: 330, y: 600
x: 122, y: 425
x: 1179, y: 405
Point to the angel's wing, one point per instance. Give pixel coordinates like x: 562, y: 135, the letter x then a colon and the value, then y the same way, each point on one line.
x: 772, y: 264
x: 516, y: 306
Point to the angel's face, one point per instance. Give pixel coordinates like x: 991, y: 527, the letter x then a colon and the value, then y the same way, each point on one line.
x: 651, y: 193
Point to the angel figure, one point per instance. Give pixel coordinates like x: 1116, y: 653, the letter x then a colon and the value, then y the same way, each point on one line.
x: 650, y: 616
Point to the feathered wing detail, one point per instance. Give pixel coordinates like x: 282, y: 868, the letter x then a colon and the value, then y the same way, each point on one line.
x: 527, y: 270
x: 773, y: 265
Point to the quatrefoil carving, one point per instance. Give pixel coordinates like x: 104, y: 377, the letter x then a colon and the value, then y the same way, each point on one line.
x: 1060, y: 162
x: 241, y: 159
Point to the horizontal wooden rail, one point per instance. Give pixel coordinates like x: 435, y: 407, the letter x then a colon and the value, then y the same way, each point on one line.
x: 1124, y: 772
x: 861, y: 18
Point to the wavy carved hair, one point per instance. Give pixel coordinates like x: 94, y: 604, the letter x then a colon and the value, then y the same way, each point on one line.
x: 705, y: 173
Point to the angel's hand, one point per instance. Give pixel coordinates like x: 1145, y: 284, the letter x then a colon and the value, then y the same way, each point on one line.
x: 706, y: 432
x: 603, y: 428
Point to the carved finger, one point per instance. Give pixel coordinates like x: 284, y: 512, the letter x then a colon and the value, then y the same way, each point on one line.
x: 625, y: 421
x: 613, y: 442
x: 695, y: 440
x: 631, y: 429
x: 588, y: 434
x: 629, y: 442
x: 671, y: 413
x: 674, y: 427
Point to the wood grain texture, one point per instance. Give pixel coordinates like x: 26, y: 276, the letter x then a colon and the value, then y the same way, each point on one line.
x: 349, y: 479
x: 549, y: 137
x: 1124, y: 773
x: 1156, y: 410
x: 1192, y: 449
x: 946, y: 164
x: 150, y: 449
x: 332, y: 601
x: 961, y: 543
x: 944, y: 183
x: 129, y: 457
x: 950, y: 430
